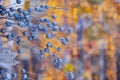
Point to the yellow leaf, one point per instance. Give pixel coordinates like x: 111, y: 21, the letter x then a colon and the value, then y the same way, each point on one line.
x: 68, y: 68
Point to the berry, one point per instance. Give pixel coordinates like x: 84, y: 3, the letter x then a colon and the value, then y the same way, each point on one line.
x: 25, y: 33
x: 71, y: 75
x: 13, y: 35
x: 18, y: 38
x: 18, y: 42
x: 12, y: 9
x: 47, y: 19
x: 2, y: 10
x: 18, y: 1
x: 19, y: 51
x: 55, y: 28
x: 19, y: 10
x: 42, y: 19
x: 41, y: 57
x: 54, y: 16
x: 61, y: 29
x: 46, y: 7
x: 63, y: 41
x: 54, y: 23
x: 37, y: 9
x: 42, y: 52
x: 48, y: 36
x: 54, y: 56
x: 58, y: 49
x: 21, y: 23
x: 25, y: 76
x: 49, y: 44
x: 46, y: 50
x: 48, y: 24
x: 70, y: 30
x: 1, y: 71
x: 8, y: 23
x: 30, y: 38
x: 67, y: 39
x: 14, y: 75
x: 23, y: 71
x: 3, y: 30
x: 9, y: 36
x: 10, y: 14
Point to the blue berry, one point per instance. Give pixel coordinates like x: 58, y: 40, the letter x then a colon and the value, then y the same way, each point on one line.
x: 42, y: 6
x: 58, y: 49
x: 52, y: 35
x: 25, y: 13
x: 57, y: 66
x: 4, y: 78
x: 71, y: 75
x: 8, y: 76
x: 46, y: 50
x: 54, y: 16
x: 19, y: 51
x: 44, y: 30
x: 3, y: 13
x: 18, y: 38
x: 30, y: 38
x: 48, y: 36
x: 63, y: 41
x: 16, y: 16
x: 27, y: 17
x: 42, y: 19
x: 18, y: 42
x: 25, y: 33
x: 8, y: 23
x: 42, y: 52
x: 55, y: 28
x: 23, y: 71
x: 49, y: 44
x: 49, y: 24
x: 10, y: 14
x: 21, y: 23
x: 25, y: 76
x: 1, y: 71
x: 18, y: 1
x: 54, y: 56
x: 9, y: 36
x: 47, y: 19
x: 12, y: 9
x: 56, y: 61
x: 19, y: 10
x: 61, y: 29
x: 37, y: 9
x: 14, y: 75
x: 34, y: 37
x: 2, y: 10
x: 67, y: 39
x: 32, y: 33
x: 70, y: 30
x: 3, y: 30
x: 60, y: 61
x: 41, y: 57
x: 29, y: 10
x: 54, y: 23
x: 46, y: 7
x: 13, y: 35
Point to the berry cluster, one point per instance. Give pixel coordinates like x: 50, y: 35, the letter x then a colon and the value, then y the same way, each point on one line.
x: 21, y: 21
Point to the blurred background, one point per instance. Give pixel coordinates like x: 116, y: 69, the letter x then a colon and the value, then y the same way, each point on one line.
x: 95, y: 50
